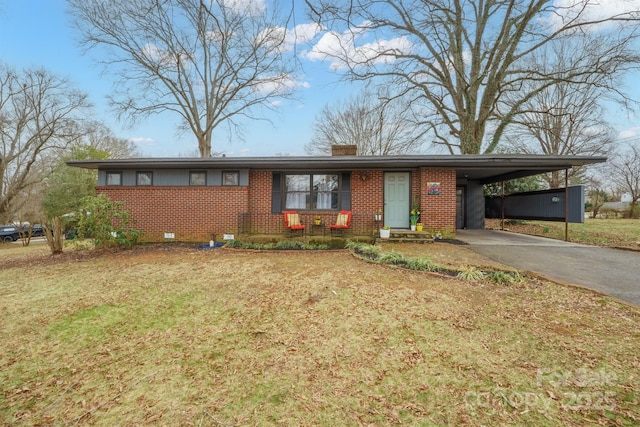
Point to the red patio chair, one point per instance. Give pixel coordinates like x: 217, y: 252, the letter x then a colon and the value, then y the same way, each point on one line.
x: 343, y: 222
x: 292, y: 222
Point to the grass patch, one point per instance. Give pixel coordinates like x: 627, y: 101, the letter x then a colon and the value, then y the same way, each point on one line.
x: 619, y: 233
x: 188, y: 337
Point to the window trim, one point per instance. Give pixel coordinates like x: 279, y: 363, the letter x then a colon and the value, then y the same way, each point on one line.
x: 237, y: 175
x: 141, y: 173
x: 193, y: 172
x: 106, y: 179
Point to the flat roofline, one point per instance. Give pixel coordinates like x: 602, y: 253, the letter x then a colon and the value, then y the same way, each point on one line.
x: 485, y: 168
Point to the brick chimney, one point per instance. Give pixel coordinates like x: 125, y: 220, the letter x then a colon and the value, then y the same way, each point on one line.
x: 344, y: 150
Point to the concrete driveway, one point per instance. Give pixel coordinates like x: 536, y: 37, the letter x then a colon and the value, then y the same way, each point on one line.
x: 610, y: 271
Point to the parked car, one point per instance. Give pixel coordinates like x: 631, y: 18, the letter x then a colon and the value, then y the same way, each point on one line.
x: 36, y: 231
x: 9, y: 233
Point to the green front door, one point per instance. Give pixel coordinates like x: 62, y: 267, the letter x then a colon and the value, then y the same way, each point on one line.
x: 397, y: 203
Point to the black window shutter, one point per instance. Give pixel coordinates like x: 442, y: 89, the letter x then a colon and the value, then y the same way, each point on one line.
x: 345, y: 193
x: 276, y: 193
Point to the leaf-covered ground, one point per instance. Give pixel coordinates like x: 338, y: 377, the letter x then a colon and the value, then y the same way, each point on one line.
x: 227, y: 337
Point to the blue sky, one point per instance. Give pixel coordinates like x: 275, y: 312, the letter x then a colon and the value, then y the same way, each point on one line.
x: 38, y: 33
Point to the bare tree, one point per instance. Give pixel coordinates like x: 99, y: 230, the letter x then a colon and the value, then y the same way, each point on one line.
x: 210, y: 62
x: 378, y: 126
x: 459, y: 60
x: 566, y: 118
x: 65, y: 187
x: 626, y: 172
x: 596, y: 193
x: 101, y: 137
x: 39, y: 115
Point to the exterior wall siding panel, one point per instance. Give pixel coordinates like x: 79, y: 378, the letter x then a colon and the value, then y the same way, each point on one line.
x: 174, y: 177
x: 197, y: 213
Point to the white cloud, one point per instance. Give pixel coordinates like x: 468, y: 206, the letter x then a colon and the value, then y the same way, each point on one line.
x: 346, y: 49
x: 141, y: 140
x: 633, y: 132
x: 251, y: 7
x: 280, y: 84
x: 304, y: 33
x: 593, y: 11
x: 285, y: 39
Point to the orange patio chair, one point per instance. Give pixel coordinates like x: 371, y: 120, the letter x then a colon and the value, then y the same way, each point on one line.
x: 343, y: 222
x: 292, y: 222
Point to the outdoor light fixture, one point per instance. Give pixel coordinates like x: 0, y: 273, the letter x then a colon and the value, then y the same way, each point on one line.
x: 555, y: 199
x: 363, y: 176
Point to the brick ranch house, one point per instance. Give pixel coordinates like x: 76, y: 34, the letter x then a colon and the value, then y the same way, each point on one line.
x: 193, y: 199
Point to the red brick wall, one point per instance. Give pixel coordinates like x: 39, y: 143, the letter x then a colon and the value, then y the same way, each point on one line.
x: 192, y: 213
x: 195, y: 213
x: 367, y: 196
x: 438, y: 212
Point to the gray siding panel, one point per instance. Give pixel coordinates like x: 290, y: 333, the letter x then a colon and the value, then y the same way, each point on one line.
x: 543, y: 205
x: 169, y: 177
x: 175, y: 177
x: 475, y: 205
x: 128, y: 178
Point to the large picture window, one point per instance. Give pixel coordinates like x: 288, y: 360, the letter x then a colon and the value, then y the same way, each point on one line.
x: 316, y: 192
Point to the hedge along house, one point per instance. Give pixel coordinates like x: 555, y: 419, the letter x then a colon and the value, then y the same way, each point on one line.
x: 189, y: 199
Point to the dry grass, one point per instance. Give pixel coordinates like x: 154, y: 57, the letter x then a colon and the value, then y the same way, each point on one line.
x: 226, y: 337
x: 613, y: 233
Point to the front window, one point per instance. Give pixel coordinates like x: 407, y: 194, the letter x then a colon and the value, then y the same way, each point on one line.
x: 311, y: 191
x: 114, y: 178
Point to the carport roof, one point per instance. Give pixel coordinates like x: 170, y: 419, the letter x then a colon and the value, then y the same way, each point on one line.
x: 482, y: 168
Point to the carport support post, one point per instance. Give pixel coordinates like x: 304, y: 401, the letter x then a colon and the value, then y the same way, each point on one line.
x: 566, y: 205
x: 502, y: 208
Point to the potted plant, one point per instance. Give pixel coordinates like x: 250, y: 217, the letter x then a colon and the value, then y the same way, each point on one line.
x: 318, y: 220
x: 414, y: 216
x: 419, y: 226
x: 385, y: 232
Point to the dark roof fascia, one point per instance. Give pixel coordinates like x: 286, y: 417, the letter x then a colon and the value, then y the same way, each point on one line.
x: 484, y: 169
x: 524, y: 162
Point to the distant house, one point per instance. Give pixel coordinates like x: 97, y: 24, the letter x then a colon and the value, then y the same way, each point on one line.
x: 614, y: 209
x: 191, y: 199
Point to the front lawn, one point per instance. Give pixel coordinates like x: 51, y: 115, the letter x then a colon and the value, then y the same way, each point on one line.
x: 177, y: 336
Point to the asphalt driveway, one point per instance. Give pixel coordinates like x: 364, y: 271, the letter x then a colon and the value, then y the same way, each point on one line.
x: 610, y: 271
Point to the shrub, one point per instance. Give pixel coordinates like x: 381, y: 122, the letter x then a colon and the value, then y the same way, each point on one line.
x: 53, y: 234
x: 422, y: 264
x: 281, y: 245
x: 393, y: 258
x: 504, y: 277
x: 288, y: 244
x: 470, y: 274
x: 107, y: 222
x: 363, y: 248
